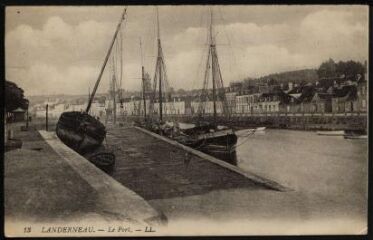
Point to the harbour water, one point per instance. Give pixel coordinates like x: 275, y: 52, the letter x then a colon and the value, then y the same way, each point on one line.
x: 327, y: 180
x: 329, y: 167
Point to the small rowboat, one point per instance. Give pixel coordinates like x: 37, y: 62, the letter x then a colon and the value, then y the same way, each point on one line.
x: 258, y: 129
x: 104, y: 161
x: 331, y: 133
x: 356, y: 136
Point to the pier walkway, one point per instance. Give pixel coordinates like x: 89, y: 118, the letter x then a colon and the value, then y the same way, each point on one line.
x: 46, y: 182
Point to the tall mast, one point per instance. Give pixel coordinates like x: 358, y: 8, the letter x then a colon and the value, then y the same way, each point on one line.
x: 114, y: 82
x: 121, y: 65
x: 217, y: 80
x: 89, y: 92
x: 212, y: 52
x: 114, y: 100
x: 106, y: 60
x: 159, y: 66
x: 143, y: 80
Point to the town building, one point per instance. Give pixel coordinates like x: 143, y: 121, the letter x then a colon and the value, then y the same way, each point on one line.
x: 231, y: 101
x: 247, y: 103
x: 18, y: 115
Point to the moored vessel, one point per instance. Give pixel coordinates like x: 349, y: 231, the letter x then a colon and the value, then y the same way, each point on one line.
x: 210, y: 134
x: 352, y: 136
x: 331, y: 133
x: 79, y: 130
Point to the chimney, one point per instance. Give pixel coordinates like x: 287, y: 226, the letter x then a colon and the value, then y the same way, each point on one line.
x: 291, y: 86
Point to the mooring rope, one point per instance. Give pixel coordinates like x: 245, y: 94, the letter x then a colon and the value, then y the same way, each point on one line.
x: 250, y: 133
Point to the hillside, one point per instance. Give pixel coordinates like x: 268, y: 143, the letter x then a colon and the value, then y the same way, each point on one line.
x: 298, y: 76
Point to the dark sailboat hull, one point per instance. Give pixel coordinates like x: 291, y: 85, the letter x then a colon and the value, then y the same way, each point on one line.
x: 210, y: 138
x: 221, y: 138
x: 80, y: 131
x: 189, y: 141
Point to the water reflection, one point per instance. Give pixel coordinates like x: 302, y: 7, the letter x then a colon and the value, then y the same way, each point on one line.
x: 227, y: 156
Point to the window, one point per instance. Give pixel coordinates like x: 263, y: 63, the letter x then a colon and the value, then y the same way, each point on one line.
x: 364, y: 104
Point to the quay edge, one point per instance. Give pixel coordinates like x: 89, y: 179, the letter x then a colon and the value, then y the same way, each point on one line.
x: 251, y: 176
x: 116, y: 199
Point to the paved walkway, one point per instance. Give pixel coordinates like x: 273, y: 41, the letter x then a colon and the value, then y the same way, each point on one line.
x: 47, y: 182
x: 113, y: 197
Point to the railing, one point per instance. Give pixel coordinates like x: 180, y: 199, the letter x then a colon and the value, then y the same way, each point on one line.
x: 270, y: 114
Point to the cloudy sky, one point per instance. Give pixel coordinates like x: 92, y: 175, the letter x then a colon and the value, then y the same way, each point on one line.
x: 52, y: 50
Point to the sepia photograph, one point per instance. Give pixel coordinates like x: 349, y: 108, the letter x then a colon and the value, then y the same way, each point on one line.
x: 186, y: 120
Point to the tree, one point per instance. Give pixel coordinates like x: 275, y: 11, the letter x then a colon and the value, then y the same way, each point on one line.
x: 327, y: 69
x: 330, y: 69
x: 181, y: 91
x: 350, y: 68
x: 272, y: 82
x: 14, y: 97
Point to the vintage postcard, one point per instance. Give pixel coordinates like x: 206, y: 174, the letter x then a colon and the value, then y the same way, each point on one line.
x: 186, y: 120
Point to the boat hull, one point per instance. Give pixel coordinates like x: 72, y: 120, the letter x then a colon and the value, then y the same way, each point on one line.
x: 211, y: 142
x: 225, y: 138
x: 356, y: 137
x: 331, y: 133
x: 80, y: 131
x: 188, y: 141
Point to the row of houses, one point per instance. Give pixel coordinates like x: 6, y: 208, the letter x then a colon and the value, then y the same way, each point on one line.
x: 337, y: 96
x: 342, y: 96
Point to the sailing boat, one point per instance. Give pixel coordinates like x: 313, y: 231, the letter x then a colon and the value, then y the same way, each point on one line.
x: 79, y: 130
x: 143, y: 107
x: 208, y: 134
x: 160, y: 87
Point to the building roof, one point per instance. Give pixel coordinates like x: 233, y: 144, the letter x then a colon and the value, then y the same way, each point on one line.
x: 295, y: 90
x: 307, y: 93
x: 282, y: 96
x: 349, y: 91
x: 325, y: 96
